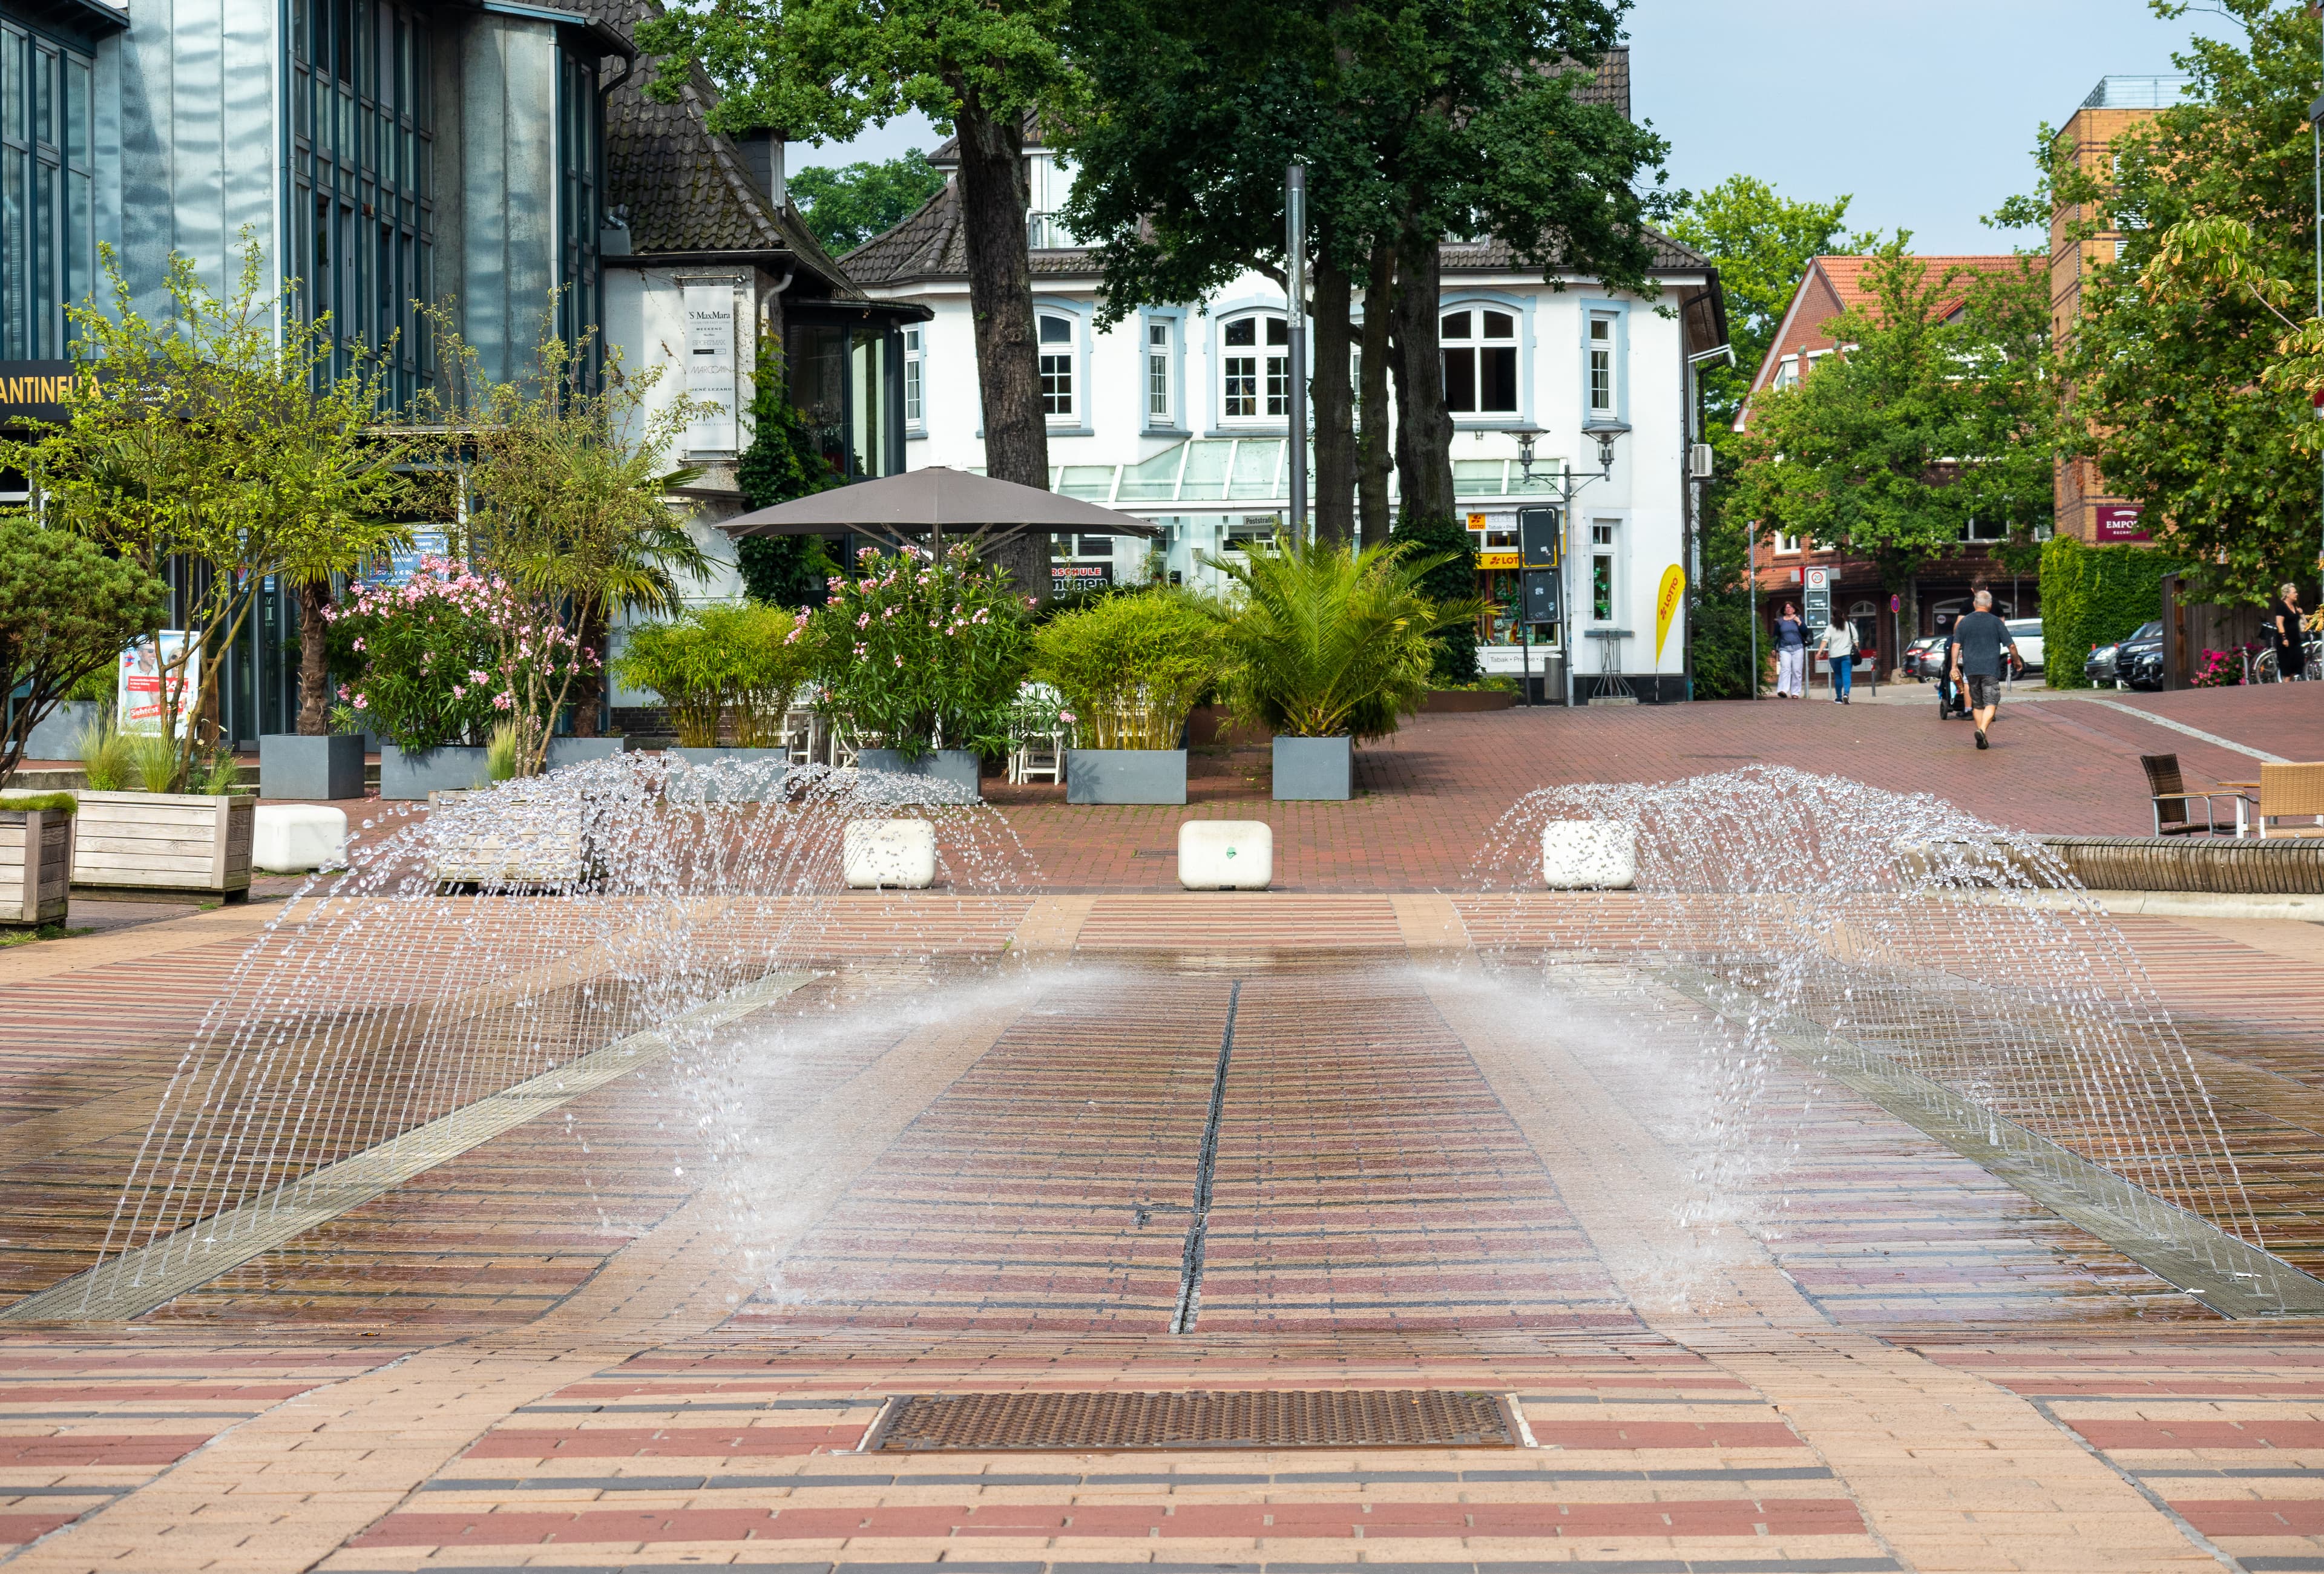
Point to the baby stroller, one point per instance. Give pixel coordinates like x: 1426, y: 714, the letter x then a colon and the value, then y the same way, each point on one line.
x: 1953, y: 700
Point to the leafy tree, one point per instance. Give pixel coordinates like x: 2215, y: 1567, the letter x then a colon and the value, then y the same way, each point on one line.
x: 1763, y: 243
x: 1415, y: 121
x: 217, y: 434
x: 1444, y: 545
x: 2171, y: 391
x: 782, y: 463
x: 829, y: 68
x: 847, y: 206
x: 67, y: 611
x: 1938, y: 411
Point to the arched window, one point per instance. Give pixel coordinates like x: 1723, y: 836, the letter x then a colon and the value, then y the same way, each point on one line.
x: 1254, y: 368
x: 1481, y: 361
x: 1057, y: 365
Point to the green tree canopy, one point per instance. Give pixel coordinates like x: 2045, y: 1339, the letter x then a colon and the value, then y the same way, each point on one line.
x: 1936, y: 411
x: 2171, y: 391
x: 67, y: 611
x: 847, y: 206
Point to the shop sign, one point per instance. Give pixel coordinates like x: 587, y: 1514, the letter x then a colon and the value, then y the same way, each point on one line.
x: 1667, y: 596
x: 1496, y: 559
x: 1476, y: 522
x: 34, y: 391
x: 2118, y: 522
x: 1069, y: 578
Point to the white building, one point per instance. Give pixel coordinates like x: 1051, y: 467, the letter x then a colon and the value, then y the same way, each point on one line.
x: 1177, y: 414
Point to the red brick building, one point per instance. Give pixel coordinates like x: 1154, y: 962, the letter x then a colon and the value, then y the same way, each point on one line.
x: 1884, y: 620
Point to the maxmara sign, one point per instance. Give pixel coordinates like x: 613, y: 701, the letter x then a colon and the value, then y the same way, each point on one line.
x: 33, y: 390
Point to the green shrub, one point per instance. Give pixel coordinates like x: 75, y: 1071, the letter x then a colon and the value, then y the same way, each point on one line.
x: 1131, y: 666
x: 41, y: 803
x: 104, y: 755
x: 1445, y: 543
x: 505, y: 750
x: 2093, y: 596
x: 746, y: 659
x: 922, y: 655
x: 154, y: 761
x: 1327, y: 642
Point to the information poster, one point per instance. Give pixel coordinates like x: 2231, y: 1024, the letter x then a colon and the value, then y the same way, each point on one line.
x: 710, y: 367
x: 143, y: 665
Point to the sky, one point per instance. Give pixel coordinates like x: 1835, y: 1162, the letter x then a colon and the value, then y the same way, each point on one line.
x: 1925, y: 115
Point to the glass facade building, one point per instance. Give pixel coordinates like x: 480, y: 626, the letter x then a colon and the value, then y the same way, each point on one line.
x: 47, y: 199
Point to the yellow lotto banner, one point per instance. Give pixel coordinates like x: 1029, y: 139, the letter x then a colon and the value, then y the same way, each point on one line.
x: 1666, y: 600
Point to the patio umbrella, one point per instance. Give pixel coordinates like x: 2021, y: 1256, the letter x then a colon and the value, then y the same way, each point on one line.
x: 896, y: 508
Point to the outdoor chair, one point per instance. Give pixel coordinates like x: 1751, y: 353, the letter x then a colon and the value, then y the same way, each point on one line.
x: 2292, y: 791
x: 799, y: 735
x: 847, y: 745
x: 1038, y: 754
x: 2170, y: 800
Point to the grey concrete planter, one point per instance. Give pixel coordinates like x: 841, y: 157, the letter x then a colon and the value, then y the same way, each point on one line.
x: 957, y: 766
x: 1125, y: 776
x: 574, y: 751
x: 294, y: 767
x: 165, y: 841
x: 36, y: 849
x: 454, y: 768
x: 702, y: 788
x: 1313, y: 768
x: 57, y: 737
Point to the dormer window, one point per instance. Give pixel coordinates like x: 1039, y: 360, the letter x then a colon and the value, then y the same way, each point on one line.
x: 1255, y: 368
x: 1481, y: 361
x: 1056, y: 366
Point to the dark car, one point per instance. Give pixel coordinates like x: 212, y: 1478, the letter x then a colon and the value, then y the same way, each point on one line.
x: 2135, y: 662
x: 1923, y: 655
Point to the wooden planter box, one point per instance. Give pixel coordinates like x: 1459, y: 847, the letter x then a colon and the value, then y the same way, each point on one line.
x: 36, y: 849
x: 165, y: 841
x: 513, y: 853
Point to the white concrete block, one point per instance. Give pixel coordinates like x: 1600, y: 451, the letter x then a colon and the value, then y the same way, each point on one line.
x: 1225, y: 855
x: 1588, y: 855
x: 291, y: 838
x: 889, y: 854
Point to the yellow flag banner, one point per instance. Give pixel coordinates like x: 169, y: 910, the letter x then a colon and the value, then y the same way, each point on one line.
x: 1666, y: 600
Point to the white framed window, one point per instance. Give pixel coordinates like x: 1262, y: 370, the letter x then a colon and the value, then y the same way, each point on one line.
x: 1480, y: 347
x: 1056, y: 366
x: 1161, y: 406
x: 1784, y: 544
x: 912, y: 380
x: 1095, y: 547
x: 1604, y: 367
x: 1787, y: 371
x: 1605, y: 552
x: 1254, y: 369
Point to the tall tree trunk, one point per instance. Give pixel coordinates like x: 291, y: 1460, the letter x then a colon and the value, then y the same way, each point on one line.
x: 1372, y: 445
x: 313, y: 659
x: 1424, y: 431
x: 1335, y: 430
x: 993, y: 203
x: 589, y: 688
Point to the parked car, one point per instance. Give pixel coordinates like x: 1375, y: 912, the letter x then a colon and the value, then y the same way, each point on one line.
x: 2027, y: 633
x: 2138, y: 660
x: 1923, y: 655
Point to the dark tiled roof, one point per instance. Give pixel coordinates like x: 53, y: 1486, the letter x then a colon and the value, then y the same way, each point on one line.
x: 683, y: 186
x: 928, y: 245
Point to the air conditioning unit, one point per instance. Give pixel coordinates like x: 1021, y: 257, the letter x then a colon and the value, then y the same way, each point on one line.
x: 1698, y: 462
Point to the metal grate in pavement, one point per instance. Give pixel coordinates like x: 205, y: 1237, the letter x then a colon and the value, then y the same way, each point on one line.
x: 1389, y: 1418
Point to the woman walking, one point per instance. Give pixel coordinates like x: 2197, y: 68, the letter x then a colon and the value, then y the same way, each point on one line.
x: 2290, y: 639
x: 1839, y: 647
x: 1790, y: 655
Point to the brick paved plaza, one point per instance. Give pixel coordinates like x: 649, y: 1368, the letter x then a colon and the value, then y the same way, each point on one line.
x: 1379, y: 1129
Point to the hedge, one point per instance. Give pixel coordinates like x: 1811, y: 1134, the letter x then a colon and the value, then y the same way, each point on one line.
x: 41, y: 803
x: 2093, y: 596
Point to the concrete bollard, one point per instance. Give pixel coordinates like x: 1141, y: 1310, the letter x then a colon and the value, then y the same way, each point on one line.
x: 294, y: 838
x: 888, y: 854
x: 1588, y: 855
x: 1225, y: 855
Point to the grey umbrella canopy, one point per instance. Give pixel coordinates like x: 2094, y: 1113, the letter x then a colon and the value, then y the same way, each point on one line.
x: 931, y: 502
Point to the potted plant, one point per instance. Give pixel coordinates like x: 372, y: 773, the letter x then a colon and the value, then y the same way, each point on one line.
x: 920, y: 659
x: 36, y: 843
x: 1329, y: 646
x: 1130, y: 668
x: 152, y: 820
x: 722, y: 670
x: 440, y: 660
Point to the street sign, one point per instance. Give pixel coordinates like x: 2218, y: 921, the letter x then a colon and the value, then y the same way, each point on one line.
x: 1818, y: 600
x: 1537, y: 537
x: 1541, y: 598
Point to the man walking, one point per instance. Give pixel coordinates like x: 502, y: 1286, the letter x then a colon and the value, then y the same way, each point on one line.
x: 1979, y: 641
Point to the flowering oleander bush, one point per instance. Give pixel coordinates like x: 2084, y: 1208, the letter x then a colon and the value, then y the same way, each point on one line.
x: 2221, y: 669
x: 926, y: 654
x: 449, y: 654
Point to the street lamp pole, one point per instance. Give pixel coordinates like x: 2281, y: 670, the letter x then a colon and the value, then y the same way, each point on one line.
x: 1295, y: 317
x: 1568, y: 487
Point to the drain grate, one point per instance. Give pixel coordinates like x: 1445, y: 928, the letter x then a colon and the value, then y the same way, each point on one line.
x: 1391, y: 1418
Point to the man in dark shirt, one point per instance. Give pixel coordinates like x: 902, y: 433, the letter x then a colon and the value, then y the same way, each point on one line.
x: 1980, y: 640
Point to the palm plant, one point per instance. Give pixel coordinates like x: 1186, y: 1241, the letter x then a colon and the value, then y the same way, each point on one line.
x: 1327, y: 642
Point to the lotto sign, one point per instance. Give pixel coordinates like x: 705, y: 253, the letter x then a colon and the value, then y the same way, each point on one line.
x: 1667, y: 599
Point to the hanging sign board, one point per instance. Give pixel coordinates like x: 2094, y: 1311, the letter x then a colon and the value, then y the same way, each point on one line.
x: 710, y: 367
x: 2119, y: 522
x: 142, y: 666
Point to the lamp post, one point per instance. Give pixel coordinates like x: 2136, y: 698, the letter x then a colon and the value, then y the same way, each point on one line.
x: 1568, y: 487
x: 1294, y: 320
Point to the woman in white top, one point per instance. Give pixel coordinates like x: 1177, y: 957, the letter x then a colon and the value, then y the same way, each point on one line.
x: 1839, y: 647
